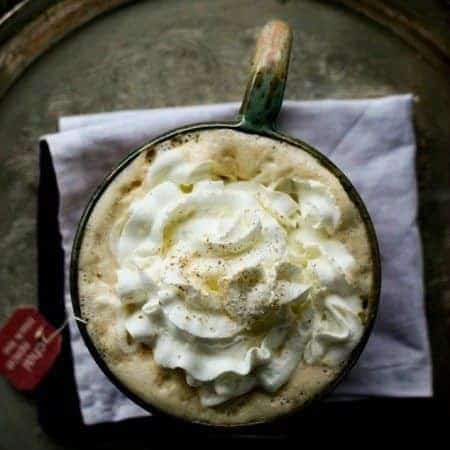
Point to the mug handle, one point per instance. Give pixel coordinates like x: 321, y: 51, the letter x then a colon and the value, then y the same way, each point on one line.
x: 268, y: 73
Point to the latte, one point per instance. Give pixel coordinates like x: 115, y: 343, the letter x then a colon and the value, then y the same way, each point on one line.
x: 225, y: 277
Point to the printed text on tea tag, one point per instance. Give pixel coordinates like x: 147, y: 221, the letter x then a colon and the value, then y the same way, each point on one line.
x: 29, y: 346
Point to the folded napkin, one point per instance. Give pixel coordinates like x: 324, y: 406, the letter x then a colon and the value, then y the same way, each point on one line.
x: 372, y: 141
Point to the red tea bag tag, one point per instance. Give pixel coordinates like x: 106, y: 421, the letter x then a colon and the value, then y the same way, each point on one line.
x: 29, y: 346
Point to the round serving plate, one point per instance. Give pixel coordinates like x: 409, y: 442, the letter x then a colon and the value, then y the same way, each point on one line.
x: 83, y: 56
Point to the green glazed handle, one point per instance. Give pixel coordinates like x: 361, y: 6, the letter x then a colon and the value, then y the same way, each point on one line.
x: 265, y: 87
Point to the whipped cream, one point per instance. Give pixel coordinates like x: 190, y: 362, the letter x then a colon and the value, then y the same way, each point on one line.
x: 234, y: 282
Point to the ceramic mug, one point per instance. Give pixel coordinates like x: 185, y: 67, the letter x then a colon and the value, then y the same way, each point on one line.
x: 258, y: 114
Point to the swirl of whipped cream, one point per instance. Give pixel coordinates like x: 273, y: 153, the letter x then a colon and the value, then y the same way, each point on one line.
x: 234, y: 282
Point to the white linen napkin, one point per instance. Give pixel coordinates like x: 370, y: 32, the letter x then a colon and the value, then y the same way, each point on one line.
x: 372, y: 141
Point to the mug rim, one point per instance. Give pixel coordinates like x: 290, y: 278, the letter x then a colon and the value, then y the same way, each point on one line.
x: 239, y: 126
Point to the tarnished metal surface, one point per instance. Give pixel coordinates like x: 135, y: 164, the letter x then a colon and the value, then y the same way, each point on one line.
x: 431, y: 41
x: 37, y: 36
x: 159, y: 53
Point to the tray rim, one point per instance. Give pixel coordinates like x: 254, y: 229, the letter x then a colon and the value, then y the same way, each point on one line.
x: 57, y: 19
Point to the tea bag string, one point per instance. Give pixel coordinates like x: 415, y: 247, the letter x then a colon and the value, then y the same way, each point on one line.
x: 48, y: 339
